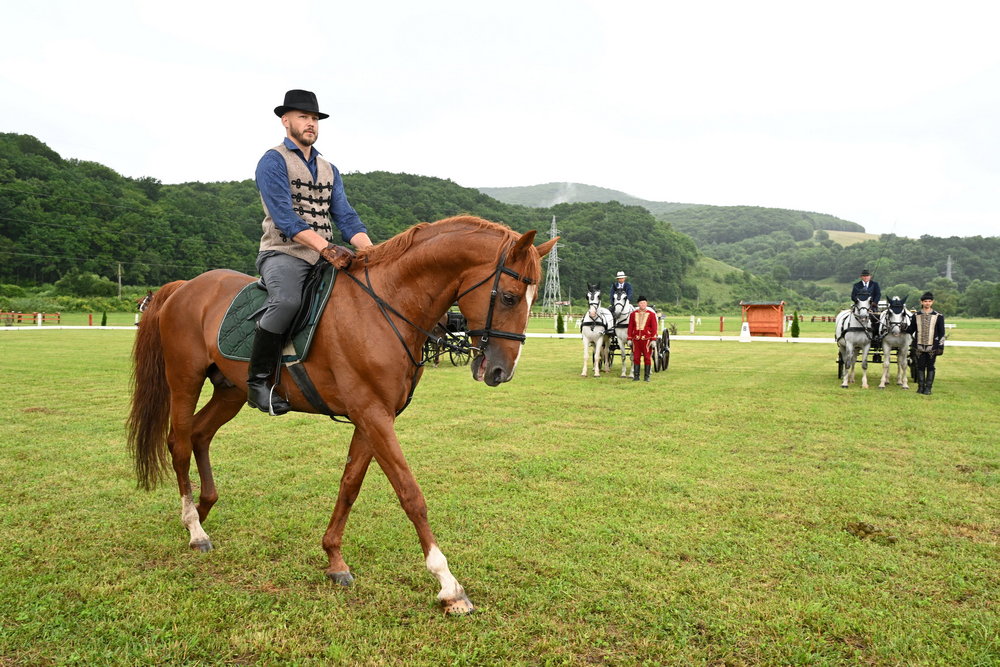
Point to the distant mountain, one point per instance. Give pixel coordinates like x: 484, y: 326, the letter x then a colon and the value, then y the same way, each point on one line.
x: 550, y: 194
x: 685, y: 217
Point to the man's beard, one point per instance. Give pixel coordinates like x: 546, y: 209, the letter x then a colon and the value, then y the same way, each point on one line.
x: 304, y: 140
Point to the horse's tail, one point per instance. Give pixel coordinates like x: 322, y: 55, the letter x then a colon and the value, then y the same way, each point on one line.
x: 149, y: 418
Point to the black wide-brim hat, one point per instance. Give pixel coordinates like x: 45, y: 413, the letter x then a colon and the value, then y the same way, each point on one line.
x: 300, y: 100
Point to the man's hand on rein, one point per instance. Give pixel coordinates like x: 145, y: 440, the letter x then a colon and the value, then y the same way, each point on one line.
x: 337, y: 255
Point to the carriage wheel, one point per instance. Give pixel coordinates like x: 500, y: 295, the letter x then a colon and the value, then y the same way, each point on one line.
x: 840, y: 365
x: 428, y: 351
x: 460, y: 357
x: 665, y: 357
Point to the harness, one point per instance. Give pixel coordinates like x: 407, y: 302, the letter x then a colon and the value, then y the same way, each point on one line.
x: 865, y: 324
x: 595, y: 320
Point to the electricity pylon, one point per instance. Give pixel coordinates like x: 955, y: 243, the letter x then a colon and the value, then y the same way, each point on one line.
x: 552, y: 296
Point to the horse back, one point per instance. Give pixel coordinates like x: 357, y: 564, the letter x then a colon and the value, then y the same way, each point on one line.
x: 193, y: 312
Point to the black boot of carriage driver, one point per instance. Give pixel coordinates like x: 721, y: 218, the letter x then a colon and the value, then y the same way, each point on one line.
x: 635, y: 372
x: 645, y: 370
x: 263, y: 361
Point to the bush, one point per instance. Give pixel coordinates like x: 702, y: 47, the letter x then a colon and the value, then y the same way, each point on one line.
x: 560, y: 324
x: 76, y: 283
x: 795, y: 324
x: 11, y: 291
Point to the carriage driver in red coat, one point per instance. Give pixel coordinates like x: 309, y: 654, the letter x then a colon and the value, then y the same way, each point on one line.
x: 642, y: 333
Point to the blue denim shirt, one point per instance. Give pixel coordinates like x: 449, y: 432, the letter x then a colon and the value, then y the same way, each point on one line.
x: 272, y: 183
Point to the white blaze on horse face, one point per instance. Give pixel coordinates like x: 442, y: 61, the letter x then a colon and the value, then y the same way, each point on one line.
x: 529, y: 298
x: 438, y: 566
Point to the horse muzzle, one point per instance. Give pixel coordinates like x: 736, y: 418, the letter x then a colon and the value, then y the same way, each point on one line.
x: 491, y: 370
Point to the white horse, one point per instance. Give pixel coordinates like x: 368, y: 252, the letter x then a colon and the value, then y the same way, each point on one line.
x: 894, y: 323
x: 854, y: 332
x: 621, y: 308
x: 594, y: 326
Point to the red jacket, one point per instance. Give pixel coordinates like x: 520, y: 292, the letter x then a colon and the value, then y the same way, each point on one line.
x: 648, y: 329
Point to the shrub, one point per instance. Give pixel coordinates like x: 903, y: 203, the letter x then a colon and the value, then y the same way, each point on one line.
x: 76, y: 283
x: 11, y: 291
x: 795, y: 324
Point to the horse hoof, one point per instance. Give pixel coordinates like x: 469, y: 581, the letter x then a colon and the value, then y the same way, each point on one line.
x: 458, y: 607
x: 345, y: 579
x: 201, y: 545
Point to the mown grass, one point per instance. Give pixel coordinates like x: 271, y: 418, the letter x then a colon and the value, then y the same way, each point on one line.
x: 697, y: 519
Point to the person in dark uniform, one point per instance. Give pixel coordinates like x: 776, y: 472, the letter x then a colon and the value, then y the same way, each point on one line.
x: 927, y: 328
x: 867, y: 286
x: 621, y: 284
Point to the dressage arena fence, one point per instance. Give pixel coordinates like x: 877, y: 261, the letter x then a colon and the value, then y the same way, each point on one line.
x: 10, y: 318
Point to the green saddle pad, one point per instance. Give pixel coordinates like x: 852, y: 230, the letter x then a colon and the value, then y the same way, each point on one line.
x: 238, y: 326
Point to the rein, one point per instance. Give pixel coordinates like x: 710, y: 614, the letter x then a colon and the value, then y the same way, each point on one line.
x: 449, y: 341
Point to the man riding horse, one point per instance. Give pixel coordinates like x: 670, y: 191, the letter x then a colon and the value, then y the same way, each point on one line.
x: 301, y: 193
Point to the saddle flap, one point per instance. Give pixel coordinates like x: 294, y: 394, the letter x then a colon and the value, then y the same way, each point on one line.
x: 236, y: 333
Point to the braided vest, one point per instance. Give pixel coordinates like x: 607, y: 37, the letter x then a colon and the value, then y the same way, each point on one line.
x: 925, y: 330
x: 310, y: 201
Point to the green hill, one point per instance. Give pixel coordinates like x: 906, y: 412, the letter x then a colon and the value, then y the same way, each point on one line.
x: 550, y: 194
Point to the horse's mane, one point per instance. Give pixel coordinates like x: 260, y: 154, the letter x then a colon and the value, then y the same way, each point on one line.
x: 394, y: 248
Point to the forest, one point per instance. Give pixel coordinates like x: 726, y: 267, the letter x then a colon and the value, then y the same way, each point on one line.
x: 77, y: 229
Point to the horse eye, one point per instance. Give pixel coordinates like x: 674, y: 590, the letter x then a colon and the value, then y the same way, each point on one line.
x: 508, y: 299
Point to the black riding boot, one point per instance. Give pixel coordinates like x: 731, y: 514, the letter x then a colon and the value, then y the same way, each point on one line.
x: 918, y: 375
x: 263, y: 360
x: 635, y: 372
x: 928, y: 381
x: 646, y: 370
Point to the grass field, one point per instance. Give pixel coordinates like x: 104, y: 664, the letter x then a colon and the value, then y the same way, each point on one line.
x: 698, y: 519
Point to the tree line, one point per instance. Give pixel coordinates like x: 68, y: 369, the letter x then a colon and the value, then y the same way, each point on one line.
x: 80, y: 228
x: 81, y: 225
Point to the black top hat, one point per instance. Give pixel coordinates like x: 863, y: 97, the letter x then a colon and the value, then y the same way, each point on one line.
x: 300, y: 100
x: 864, y: 272
x: 641, y: 298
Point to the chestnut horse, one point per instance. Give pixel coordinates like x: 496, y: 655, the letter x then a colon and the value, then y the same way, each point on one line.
x: 395, y: 292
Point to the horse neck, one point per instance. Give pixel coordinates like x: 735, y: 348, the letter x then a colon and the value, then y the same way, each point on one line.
x: 424, y: 281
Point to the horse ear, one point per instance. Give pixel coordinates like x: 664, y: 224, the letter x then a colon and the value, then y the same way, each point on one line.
x: 522, y: 244
x: 544, y: 248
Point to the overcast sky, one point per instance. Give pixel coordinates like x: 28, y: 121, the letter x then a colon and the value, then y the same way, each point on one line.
x: 883, y: 113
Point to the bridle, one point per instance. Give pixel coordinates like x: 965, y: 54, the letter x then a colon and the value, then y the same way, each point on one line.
x: 488, y: 331
x: 618, y: 309
x: 894, y: 326
x: 449, y: 341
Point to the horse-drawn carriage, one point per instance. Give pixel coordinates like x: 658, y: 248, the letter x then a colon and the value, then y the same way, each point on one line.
x: 454, y: 340
x: 607, y: 332
x: 854, y: 335
x: 660, y: 351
